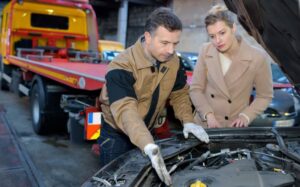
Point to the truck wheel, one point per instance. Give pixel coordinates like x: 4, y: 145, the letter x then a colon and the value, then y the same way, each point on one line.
x: 47, y: 116
x: 16, y: 79
x: 3, y: 84
x: 38, y: 102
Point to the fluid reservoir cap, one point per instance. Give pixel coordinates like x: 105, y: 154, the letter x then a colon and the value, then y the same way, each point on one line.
x: 198, y: 183
x: 81, y: 83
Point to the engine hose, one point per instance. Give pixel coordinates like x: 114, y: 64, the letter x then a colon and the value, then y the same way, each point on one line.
x: 199, y: 159
x: 283, y: 147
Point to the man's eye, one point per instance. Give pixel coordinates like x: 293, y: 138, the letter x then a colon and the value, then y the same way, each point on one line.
x: 212, y: 37
x: 222, y: 33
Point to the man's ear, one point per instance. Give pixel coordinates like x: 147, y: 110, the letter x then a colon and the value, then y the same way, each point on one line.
x: 147, y: 37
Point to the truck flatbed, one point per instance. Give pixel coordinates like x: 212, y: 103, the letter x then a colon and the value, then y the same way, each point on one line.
x: 80, y: 75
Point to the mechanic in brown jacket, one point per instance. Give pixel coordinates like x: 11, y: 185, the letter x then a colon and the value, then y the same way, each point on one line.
x: 138, y: 83
x: 227, y: 71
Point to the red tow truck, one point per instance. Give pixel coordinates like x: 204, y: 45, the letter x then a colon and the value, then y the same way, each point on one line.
x: 49, y: 52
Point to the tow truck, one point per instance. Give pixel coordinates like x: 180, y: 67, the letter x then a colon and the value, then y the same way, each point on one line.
x: 49, y: 52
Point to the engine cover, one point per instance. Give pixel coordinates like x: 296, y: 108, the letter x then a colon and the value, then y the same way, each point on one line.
x: 239, y: 173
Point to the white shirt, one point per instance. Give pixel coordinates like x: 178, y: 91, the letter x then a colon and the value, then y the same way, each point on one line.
x: 225, y: 63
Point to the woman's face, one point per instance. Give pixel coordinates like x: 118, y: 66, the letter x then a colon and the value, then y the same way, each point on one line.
x: 222, y: 36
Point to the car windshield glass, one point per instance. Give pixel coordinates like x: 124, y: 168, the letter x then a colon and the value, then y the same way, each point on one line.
x: 278, y: 75
x: 109, y: 55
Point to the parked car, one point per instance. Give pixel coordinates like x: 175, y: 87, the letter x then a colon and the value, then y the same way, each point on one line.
x: 281, y: 112
x: 193, y: 57
x: 108, y: 49
x: 257, y: 156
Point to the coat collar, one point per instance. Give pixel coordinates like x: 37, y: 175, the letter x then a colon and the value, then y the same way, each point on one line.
x: 144, y: 61
x: 139, y: 56
x: 240, y: 64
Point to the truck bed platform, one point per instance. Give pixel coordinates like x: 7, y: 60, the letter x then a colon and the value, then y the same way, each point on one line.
x: 79, y: 75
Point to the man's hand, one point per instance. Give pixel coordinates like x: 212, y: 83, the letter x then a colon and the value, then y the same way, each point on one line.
x: 240, y: 122
x: 196, y: 130
x: 153, y: 152
x: 212, y: 121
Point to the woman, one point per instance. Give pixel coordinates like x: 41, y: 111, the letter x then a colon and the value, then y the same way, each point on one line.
x: 227, y: 71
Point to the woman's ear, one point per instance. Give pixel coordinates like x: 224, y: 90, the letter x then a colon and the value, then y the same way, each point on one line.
x: 234, y: 28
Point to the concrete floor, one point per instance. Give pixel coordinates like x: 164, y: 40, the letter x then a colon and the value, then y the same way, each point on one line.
x: 52, y: 158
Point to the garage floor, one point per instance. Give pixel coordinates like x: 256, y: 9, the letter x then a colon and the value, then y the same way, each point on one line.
x: 15, y: 169
x: 27, y: 159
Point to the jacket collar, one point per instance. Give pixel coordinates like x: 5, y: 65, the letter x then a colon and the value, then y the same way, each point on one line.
x: 142, y: 60
x: 138, y: 53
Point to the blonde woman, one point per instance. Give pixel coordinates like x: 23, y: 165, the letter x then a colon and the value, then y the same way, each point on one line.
x: 227, y: 71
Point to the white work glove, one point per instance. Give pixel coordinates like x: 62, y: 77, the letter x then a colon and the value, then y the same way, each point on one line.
x: 153, y: 152
x: 196, y: 130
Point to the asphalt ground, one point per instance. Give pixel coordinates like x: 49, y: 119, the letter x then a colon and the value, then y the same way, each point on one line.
x: 27, y: 159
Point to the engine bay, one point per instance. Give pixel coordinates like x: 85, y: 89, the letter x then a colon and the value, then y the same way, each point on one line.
x: 233, y: 158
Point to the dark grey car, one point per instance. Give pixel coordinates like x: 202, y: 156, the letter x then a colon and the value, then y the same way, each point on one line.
x: 281, y: 112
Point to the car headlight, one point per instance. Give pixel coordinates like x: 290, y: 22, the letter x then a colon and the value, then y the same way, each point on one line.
x: 269, y: 112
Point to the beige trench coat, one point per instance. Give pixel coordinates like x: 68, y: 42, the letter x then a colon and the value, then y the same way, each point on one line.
x: 228, y: 95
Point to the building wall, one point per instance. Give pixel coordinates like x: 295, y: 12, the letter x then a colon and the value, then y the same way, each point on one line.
x: 137, y: 16
x: 192, y: 14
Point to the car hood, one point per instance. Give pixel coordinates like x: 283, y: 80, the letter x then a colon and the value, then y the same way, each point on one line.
x: 276, y: 27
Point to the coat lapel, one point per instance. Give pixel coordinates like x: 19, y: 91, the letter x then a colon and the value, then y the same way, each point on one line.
x: 215, y: 71
x: 240, y: 64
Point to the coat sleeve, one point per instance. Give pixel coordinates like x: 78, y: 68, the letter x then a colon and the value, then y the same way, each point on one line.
x: 179, y: 97
x: 123, y: 106
x: 198, y: 86
x: 264, y: 90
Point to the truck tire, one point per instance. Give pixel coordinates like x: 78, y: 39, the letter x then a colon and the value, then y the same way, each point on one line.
x: 47, y: 116
x: 3, y: 84
x: 16, y: 80
x: 38, y: 105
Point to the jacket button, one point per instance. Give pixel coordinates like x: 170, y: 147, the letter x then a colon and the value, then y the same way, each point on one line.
x: 212, y: 95
x: 226, y: 118
x: 229, y: 101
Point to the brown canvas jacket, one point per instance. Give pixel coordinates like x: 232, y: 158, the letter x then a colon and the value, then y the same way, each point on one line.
x: 132, y: 83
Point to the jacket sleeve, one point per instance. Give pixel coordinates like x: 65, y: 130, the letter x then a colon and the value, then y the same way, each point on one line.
x: 123, y: 106
x: 179, y: 98
x: 264, y: 90
x: 198, y: 87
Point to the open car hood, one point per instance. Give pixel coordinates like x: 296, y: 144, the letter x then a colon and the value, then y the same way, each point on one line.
x: 276, y: 26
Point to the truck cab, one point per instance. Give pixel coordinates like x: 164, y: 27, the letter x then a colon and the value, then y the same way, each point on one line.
x: 55, y: 30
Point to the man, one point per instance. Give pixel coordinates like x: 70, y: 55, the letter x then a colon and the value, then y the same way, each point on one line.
x: 138, y: 83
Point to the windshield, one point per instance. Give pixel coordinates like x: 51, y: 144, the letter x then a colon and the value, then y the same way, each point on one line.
x: 109, y: 55
x: 278, y: 75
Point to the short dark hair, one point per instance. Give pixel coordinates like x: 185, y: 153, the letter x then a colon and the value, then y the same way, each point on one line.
x: 164, y: 17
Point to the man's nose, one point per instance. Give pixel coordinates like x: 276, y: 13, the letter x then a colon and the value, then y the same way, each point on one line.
x: 170, y: 49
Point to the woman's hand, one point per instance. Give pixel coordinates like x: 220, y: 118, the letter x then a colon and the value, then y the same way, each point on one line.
x: 239, y: 122
x: 212, y: 121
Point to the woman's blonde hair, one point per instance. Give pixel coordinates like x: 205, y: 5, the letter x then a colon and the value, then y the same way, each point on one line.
x: 219, y: 13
